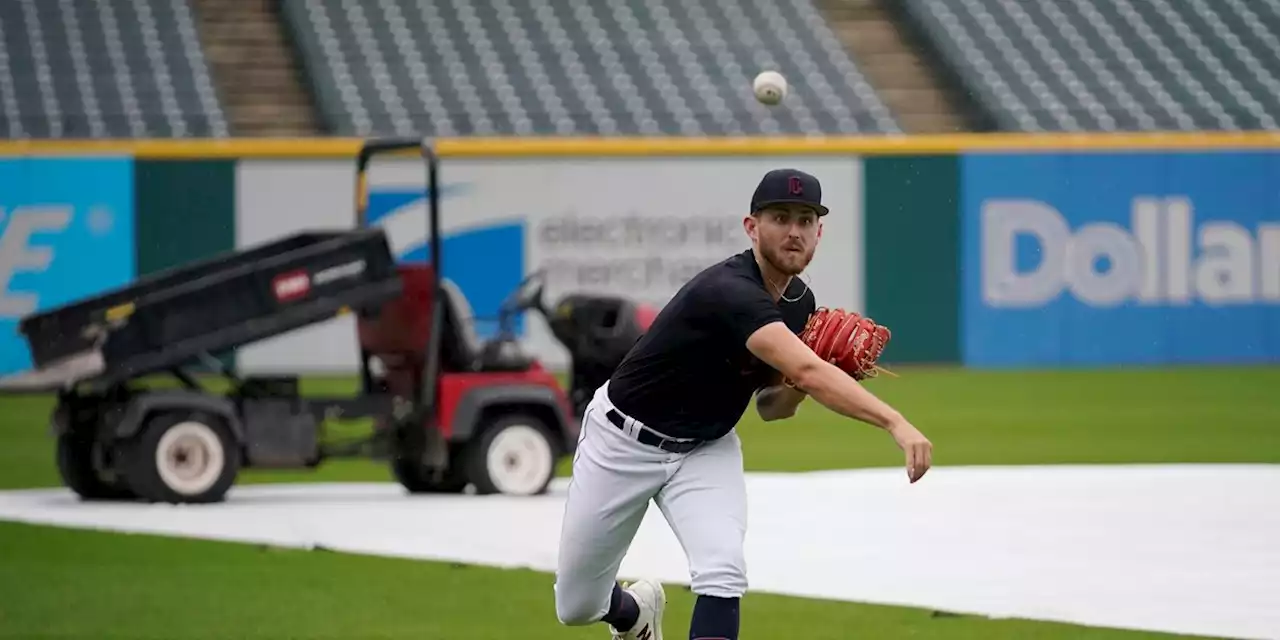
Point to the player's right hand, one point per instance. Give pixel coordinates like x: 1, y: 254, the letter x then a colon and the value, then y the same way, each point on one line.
x: 918, y: 449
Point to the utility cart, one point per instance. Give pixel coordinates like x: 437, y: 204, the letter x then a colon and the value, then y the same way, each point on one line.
x: 449, y: 411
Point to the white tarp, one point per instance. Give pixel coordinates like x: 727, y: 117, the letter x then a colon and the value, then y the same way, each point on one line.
x: 1176, y: 548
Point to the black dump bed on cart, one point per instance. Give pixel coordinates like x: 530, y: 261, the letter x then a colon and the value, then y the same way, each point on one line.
x: 165, y: 319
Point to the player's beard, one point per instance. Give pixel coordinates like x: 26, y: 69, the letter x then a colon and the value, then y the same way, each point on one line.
x: 789, y: 262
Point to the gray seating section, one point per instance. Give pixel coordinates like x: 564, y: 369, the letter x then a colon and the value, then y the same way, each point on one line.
x: 104, y: 68
x: 1112, y: 65
x: 577, y: 67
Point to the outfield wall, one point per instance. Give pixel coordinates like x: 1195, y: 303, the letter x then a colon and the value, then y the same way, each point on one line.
x: 991, y: 250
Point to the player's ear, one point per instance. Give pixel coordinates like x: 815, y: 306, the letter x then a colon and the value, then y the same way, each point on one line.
x: 749, y: 224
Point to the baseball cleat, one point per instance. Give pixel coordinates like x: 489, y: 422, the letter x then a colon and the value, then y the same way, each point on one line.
x: 652, y: 600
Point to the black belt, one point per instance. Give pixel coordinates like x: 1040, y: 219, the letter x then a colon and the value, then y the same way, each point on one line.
x: 652, y: 439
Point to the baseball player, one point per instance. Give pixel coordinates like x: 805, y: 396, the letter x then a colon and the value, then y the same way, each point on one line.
x: 663, y: 427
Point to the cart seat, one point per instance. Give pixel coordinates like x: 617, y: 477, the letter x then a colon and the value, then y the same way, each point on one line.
x: 460, y: 323
x: 494, y: 356
x: 397, y: 334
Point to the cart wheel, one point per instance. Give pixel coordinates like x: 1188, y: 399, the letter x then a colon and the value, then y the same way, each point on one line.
x: 182, y: 457
x: 418, y: 479
x: 514, y: 456
x: 76, y: 456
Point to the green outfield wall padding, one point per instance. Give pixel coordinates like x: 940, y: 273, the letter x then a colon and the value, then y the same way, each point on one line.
x: 186, y: 210
x: 912, y: 248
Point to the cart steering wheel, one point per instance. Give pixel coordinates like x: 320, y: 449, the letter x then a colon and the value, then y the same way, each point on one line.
x: 526, y: 295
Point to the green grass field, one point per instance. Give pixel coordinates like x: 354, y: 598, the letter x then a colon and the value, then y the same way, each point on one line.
x: 57, y: 583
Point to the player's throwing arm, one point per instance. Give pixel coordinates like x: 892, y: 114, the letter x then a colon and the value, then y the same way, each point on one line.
x: 828, y: 360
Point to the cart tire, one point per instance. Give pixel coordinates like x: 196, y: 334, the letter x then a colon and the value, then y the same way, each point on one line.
x: 182, y: 457
x: 515, y: 455
x: 416, y: 478
x: 75, y: 457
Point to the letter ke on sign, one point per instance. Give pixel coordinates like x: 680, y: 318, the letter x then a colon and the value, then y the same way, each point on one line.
x: 18, y: 254
x: 1151, y: 264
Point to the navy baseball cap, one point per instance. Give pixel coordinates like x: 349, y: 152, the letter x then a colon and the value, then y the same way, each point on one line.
x: 788, y: 186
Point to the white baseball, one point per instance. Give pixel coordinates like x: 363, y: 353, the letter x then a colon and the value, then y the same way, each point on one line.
x: 770, y: 87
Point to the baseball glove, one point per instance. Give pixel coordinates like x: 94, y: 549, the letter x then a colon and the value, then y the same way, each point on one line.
x: 849, y: 340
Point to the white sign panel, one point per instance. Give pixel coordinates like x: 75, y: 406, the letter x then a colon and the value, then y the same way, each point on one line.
x: 639, y: 227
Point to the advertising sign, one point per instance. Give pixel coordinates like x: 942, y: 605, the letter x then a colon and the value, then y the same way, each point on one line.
x: 1091, y: 259
x: 66, y: 232
x: 638, y: 227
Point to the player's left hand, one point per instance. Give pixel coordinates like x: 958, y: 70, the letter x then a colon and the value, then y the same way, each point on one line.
x: 918, y: 449
x: 846, y: 339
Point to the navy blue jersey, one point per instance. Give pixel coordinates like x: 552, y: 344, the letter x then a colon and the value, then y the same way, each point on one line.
x: 691, y: 375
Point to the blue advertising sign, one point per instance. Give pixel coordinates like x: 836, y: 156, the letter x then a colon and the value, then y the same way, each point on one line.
x: 1120, y: 258
x: 66, y: 232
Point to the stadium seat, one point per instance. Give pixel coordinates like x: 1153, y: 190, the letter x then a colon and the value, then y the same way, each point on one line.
x: 127, y: 68
x: 1112, y: 65
x: 577, y: 67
